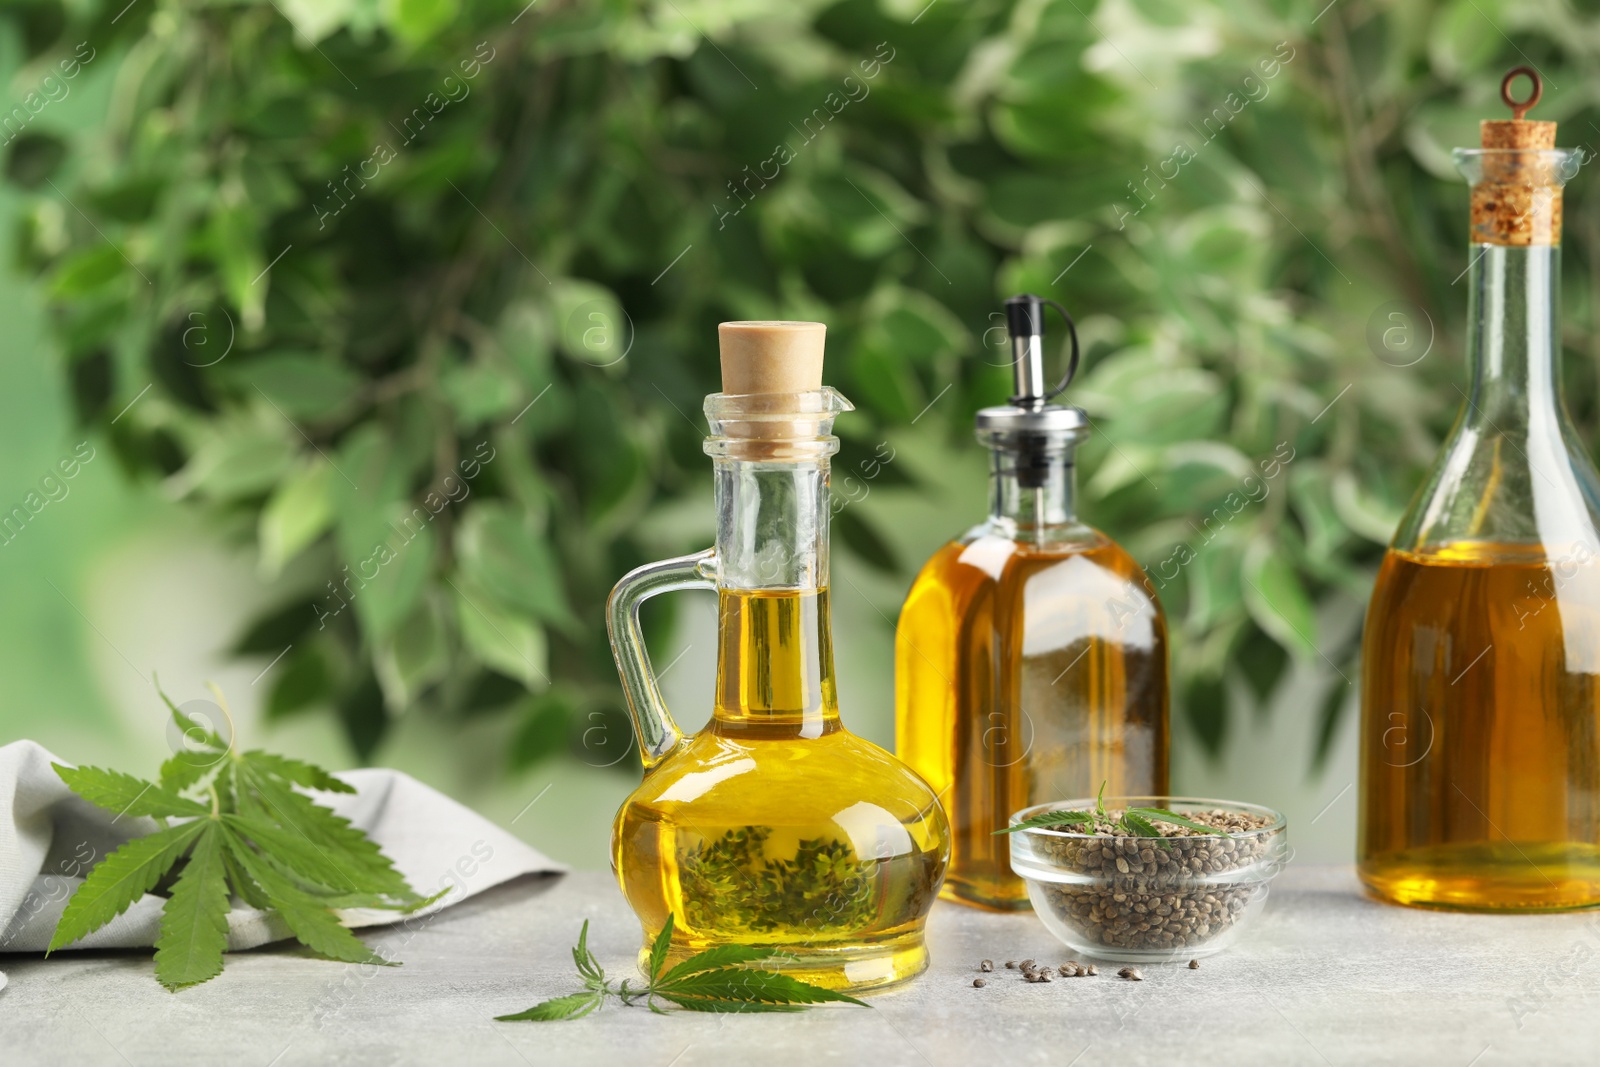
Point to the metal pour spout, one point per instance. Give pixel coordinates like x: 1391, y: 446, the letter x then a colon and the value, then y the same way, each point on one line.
x: 1025, y: 324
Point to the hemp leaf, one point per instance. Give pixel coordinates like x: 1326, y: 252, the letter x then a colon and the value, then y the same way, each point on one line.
x: 1139, y: 826
x: 1173, y: 817
x: 1137, y: 822
x: 714, y: 980
x: 1053, y: 820
x: 251, y: 835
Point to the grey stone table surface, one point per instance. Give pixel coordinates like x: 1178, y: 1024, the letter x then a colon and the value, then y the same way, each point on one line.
x: 1324, y: 976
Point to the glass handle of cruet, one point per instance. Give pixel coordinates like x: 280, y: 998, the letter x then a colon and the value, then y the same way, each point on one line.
x: 658, y: 734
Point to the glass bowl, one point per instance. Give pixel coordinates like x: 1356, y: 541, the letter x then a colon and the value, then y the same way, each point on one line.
x: 1130, y: 898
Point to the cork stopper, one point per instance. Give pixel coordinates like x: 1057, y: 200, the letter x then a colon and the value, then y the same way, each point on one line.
x: 767, y: 356
x: 772, y: 405
x: 1517, y: 201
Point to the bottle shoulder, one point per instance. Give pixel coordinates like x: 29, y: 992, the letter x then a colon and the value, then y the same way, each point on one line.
x: 990, y: 550
x: 1519, y: 484
x: 990, y: 574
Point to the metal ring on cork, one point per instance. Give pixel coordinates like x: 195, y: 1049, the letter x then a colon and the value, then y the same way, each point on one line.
x: 1520, y: 109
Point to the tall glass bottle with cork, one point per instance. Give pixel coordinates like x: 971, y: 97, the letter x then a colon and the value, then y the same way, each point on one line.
x: 1031, y: 653
x: 1480, y: 727
x: 773, y: 826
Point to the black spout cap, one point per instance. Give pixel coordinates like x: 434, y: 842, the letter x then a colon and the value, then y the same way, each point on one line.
x: 1025, y: 316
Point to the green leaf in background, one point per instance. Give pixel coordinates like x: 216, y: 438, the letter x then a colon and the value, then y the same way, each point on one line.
x: 544, y: 729
x: 415, y: 655
x: 418, y: 20
x: 234, y: 241
x: 89, y: 270
x: 1465, y: 37
x: 1205, y: 707
x: 499, y: 553
x: 909, y: 328
x: 1277, y: 601
x: 1311, y: 491
x: 315, y: 19
x: 507, y: 641
x: 864, y: 540
x: 1215, y: 591
x: 34, y: 158
x: 1263, y: 661
x: 367, y: 493
x: 302, y: 385
x: 480, y: 393
x: 591, y: 326
x: 1362, y: 511
x: 234, y: 464
x: 393, y: 575
x: 299, y: 511
x: 304, y: 678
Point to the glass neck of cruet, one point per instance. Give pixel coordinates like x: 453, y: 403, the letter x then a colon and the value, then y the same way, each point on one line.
x: 774, y: 643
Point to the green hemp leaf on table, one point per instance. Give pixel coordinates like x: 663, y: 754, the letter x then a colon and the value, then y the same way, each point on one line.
x: 245, y: 831
x: 717, y: 979
x: 1137, y: 822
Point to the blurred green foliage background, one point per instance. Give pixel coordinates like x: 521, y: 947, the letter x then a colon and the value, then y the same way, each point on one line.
x: 390, y: 320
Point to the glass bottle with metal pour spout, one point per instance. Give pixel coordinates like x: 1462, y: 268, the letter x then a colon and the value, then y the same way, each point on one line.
x: 1031, y: 654
x: 1480, y: 727
x: 773, y: 826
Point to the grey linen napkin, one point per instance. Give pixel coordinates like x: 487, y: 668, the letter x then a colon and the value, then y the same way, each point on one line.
x: 49, y: 838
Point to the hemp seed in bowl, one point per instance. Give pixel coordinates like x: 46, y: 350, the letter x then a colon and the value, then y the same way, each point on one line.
x: 1114, y: 878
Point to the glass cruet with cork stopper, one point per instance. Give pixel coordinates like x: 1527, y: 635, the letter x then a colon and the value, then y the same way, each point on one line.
x: 1480, y: 719
x: 1031, y: 652
x: 773, y: 826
